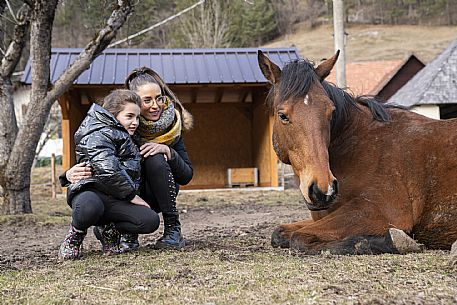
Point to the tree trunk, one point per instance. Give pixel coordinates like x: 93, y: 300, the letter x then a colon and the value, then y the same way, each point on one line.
x: 17, y: 171
x: 8, y: 123
x: 16, y: 176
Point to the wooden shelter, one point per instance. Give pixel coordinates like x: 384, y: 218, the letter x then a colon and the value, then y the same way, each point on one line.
x: 224, y: 90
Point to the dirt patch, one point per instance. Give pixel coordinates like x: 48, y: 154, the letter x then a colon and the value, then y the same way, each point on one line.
x: 228, y: 260
x: 33, y: 240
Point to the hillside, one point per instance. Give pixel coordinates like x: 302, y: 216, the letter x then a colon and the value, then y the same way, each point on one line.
x: 371, y: 42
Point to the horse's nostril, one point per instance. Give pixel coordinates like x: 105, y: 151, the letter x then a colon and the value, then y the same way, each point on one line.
x: 316, y: 195
x: 313, y: 190
x: 335, y: 187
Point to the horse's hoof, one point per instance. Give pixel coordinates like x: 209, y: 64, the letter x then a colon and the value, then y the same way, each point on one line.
x: 278, y: 240
x: 402, y: 243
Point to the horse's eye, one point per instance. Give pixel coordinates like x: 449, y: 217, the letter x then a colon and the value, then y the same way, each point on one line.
x: 283, y: 117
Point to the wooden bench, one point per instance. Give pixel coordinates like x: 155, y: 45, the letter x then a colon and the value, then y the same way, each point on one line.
x: 242, y: 177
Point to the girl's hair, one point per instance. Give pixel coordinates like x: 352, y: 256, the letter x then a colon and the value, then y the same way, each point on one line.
x: 116, y: 100
x: 144, y: 75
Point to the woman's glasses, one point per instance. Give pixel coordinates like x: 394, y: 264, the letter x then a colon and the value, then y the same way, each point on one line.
x: 160, y: 101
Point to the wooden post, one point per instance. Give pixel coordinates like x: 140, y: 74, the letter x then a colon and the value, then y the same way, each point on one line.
x: 53, y: 176
x: 72, y: 115
x: 339, y: 39
x: 283, y: 172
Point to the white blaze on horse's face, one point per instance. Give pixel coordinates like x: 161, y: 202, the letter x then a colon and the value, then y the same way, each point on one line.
x: 317, y: 183
x: 306, y: 100
x: 309, y: 132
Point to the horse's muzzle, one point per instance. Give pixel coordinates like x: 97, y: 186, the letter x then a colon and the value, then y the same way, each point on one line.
x: 320, y: 200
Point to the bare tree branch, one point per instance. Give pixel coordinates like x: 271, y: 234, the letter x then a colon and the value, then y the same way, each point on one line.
x: 12, y: 12
x: 14, y: 51
x: 2, y: 6
x: 93, y: 49
x: 8, y: 123
x: 208, y: 25
x: 29, y: 3
x: 15, y: 178
x: 156, y: 24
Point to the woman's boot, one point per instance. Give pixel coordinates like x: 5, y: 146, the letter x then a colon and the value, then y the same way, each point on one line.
x: 172, y: 236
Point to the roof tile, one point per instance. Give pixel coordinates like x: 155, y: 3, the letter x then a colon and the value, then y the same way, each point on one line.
x: 365, y: 77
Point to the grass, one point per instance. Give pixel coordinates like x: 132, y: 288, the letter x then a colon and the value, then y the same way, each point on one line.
x: 46, y: 210
x: 224, y: 263
x: 371, y: 42
x: 206, y: 276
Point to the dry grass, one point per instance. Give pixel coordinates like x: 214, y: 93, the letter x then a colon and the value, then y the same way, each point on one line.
x: 228, y: 260
x: 235, y: 276
x: 372, y: 42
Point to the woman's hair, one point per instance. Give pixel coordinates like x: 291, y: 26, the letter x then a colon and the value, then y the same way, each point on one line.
x: 116, y: 100
x: 144, y: 75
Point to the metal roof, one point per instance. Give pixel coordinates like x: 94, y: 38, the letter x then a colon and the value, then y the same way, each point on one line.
x: 435, y: 84
x: 176, y: 66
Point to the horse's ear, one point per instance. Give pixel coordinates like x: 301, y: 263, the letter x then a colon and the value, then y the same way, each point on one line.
x: 271, y: 71
x: 324, y: 69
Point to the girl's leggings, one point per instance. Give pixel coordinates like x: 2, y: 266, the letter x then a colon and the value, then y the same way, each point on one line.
x: 91, y: 208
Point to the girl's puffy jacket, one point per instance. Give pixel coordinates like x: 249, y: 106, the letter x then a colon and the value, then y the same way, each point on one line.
x: 103, y: 143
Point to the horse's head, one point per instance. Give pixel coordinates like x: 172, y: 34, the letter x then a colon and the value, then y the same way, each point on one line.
x: 302, y: 122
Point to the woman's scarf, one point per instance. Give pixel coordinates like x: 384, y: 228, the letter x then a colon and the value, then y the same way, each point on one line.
x: 163, y: 131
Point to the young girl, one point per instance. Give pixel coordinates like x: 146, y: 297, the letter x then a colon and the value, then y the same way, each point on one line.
x: 166, y: 164
x: 108, y: 197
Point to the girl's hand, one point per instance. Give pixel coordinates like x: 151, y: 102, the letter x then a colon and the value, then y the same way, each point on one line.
x: 139, y: 201
x: 151, y: 149
x: 78, y: 172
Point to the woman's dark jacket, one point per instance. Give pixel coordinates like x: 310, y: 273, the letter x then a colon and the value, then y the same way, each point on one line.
x: 180, y: 165
x: 103, y: 143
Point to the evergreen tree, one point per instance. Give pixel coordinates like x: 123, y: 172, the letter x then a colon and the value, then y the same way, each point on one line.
x: 255, y: 24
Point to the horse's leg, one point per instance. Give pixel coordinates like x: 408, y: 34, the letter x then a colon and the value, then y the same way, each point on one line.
x: 393, y: 241
x: 361, y: 231
x: 281, y: 235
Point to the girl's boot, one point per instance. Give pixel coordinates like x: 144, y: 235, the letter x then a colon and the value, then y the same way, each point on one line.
x: 71, y: 247
x: 109, y: 237
x: 129, y: 242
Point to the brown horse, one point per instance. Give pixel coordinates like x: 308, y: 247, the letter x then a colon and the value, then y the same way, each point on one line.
x: 363, y: 167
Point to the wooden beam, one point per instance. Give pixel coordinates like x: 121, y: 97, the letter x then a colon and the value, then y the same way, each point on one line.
x: 243, y: 95
x: 72, y: 115
x: 218, y: 95
x: 193, y: 95
x: 64, y: 102
x: 273, y: 157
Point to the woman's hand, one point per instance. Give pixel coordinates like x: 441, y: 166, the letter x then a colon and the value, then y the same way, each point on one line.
x: 139, y: 201
x: 151, y: 149
x: 78, y: 172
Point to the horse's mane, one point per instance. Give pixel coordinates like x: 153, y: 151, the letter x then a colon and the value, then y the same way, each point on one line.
x: 297, y: 77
